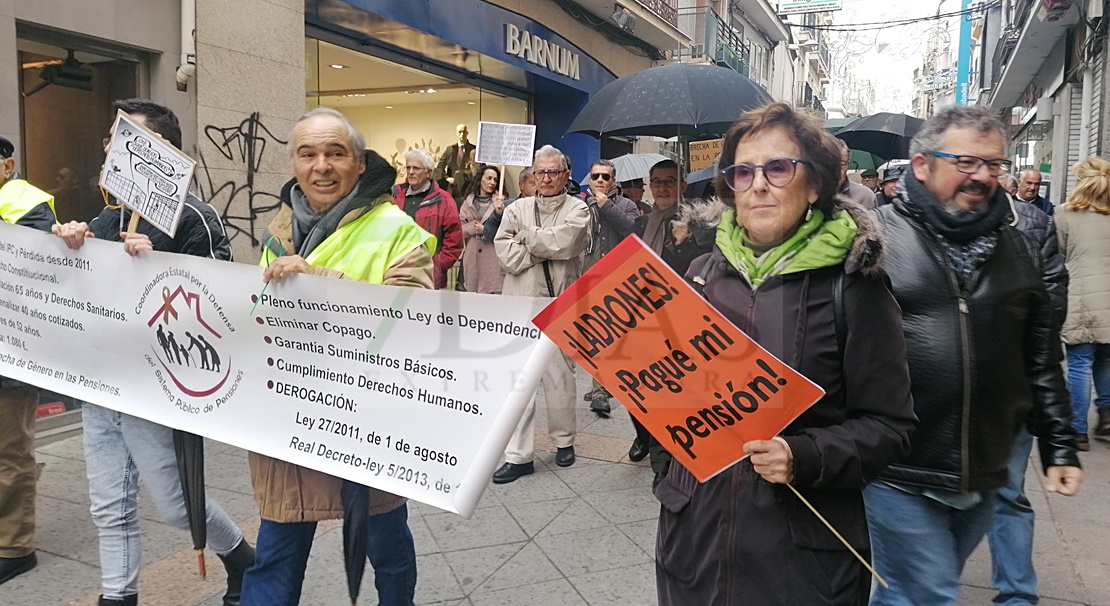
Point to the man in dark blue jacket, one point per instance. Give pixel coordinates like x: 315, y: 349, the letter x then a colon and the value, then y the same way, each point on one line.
x: 1029, y: 191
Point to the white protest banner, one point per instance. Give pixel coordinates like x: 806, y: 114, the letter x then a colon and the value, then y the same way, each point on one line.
x: 509, y: 144
x: 145, y: 172
x: 411, y: 391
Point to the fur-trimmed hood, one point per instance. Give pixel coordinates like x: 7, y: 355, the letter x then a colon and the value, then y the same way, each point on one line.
x: 867, y: 248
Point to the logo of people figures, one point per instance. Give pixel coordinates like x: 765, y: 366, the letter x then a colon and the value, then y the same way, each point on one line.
x: 187, y: 344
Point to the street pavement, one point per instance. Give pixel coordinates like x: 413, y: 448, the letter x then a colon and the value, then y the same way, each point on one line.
x: 583, y: 535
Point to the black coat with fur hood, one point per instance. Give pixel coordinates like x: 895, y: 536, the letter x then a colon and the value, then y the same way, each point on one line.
x: 738, y: 539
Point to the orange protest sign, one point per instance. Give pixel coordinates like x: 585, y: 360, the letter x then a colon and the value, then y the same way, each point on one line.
x: 700, y: 386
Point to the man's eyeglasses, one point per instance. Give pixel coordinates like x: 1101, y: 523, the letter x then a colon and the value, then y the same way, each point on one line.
x: 779, y: 172
x: 668, y: 182
x: 969, y: 165
x: 413, y: 169
x: 540, y: 174
x: 602, y: 176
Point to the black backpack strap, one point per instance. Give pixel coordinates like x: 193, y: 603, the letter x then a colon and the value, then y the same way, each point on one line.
x: 546, y: 269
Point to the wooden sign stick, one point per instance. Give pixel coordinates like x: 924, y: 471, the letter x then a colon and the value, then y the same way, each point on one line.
x: 863, y: 561
x: 134, y: 223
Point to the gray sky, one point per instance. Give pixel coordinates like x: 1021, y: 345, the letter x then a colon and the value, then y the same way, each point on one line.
x: 886, y: 56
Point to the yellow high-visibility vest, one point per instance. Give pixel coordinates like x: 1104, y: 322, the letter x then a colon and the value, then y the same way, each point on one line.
x: 18, y: 197
x: 367, y: 247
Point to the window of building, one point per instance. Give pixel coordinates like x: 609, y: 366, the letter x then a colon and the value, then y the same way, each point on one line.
x: 68, y: 86
x: 398, y: 107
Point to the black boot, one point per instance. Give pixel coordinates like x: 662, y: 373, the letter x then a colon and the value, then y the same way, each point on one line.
x: 131, y: 600
x: 236, y: 563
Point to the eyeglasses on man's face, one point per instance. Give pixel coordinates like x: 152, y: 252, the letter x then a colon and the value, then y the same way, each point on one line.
x: 601, y: 176
x: 779, y: 172
x: 547, y: 174
x: 668, y: 182
x: 969, y: 165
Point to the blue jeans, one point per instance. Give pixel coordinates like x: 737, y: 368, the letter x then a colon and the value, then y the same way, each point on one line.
x: 119, y: 450
x: 1011, y: 534
x: 282, y: 555
x: 1087, y: 361
x: 919, y: 545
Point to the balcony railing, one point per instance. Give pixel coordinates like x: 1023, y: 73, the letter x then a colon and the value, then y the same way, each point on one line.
x: 666, y: 9
x: 805, y: 97
x: 714, y: 40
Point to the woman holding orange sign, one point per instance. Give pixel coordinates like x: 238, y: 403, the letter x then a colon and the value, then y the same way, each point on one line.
x: 797, y: 269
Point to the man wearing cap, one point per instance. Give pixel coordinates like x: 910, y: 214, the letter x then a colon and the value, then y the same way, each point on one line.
x: 22, y: 204
x: 889, y: 184
x: 850, y: 189
x: 633, y: 189
x: 870, y: 179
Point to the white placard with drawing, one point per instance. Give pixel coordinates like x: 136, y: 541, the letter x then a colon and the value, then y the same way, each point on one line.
x: 508, y: 144
x: 143, y: 171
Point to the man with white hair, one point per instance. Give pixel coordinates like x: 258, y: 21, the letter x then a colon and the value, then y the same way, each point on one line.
x: 540, y: 244
x: 433, y: 209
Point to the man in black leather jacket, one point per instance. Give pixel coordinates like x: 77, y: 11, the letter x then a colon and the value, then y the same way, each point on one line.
x: 984, y: 357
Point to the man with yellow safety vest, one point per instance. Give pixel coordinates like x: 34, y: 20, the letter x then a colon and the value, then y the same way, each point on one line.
x: 338, y: 220
x: 22, y: 204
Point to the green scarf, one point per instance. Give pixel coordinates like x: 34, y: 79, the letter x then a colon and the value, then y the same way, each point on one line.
x: 817, y: 243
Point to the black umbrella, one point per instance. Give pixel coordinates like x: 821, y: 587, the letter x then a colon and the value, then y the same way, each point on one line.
x: 884, y: 134
x: 356, y: 530
x: 189, y: 449
x: 681, y: 99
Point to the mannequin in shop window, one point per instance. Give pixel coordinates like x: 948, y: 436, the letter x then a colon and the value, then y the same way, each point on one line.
x: 456, y: 165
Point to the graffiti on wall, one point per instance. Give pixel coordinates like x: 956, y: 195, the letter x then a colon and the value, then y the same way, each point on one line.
x: 240, y: 202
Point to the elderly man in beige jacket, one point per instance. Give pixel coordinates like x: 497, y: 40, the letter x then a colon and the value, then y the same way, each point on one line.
x: 539, y: 245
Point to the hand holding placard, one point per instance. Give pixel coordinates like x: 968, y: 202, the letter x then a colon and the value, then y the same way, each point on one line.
x: 696, y: 382
x: 146, y: 173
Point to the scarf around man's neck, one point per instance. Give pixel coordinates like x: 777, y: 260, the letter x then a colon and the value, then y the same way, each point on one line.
x: 655, y: 232
x: 817, y: 243
x: 960, y: 227
x: 311, y: 228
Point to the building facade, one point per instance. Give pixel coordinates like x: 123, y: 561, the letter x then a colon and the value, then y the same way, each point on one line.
x: 746, y: 36
x: 1043, y: 65
x: 813, y: 65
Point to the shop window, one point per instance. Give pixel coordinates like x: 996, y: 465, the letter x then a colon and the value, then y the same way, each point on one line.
x: 399, y: 108
x: 66, y: 110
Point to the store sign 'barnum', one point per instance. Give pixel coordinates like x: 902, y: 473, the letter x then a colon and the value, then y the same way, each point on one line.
x: 535, y: 49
